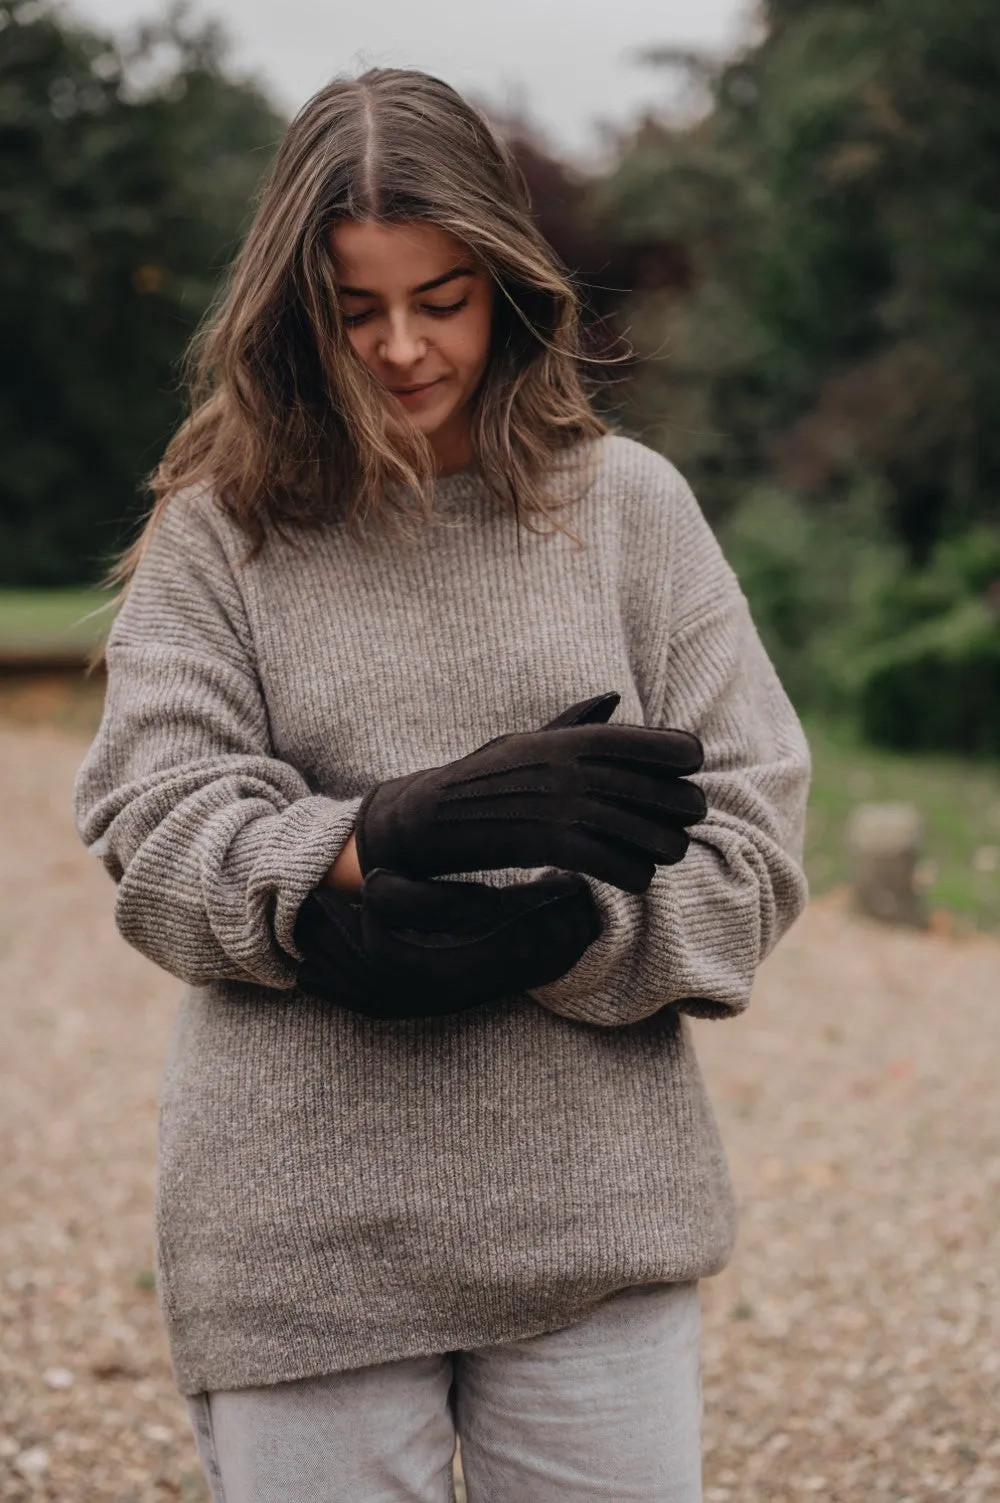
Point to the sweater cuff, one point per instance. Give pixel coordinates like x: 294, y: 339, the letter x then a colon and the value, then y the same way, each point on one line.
x: 586, y: 984
x: 319, y: 828
x: 585, y: 993
x: 285, y: 858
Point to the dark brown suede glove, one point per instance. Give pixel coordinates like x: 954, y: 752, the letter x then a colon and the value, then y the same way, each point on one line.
x: 418, y: 949
x: 609, y: 800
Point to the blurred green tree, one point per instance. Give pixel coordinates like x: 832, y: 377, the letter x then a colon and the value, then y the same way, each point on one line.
x: 828, y: 376
x: 127, y: 171
x: 839, y: 204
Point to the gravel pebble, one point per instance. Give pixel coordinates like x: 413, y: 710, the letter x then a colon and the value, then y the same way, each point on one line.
x: 852, y: 1347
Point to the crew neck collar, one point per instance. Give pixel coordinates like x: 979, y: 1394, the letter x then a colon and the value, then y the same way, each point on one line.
x: 459, y: 485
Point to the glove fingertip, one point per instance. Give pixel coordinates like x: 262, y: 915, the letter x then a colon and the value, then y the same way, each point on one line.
x: 696, y: 756
x: 594, y: 711
x: 600, y: 709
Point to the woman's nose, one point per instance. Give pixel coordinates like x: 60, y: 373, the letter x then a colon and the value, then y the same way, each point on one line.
x: 402, y: 344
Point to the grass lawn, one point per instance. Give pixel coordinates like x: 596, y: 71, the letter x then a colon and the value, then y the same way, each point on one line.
x: 40, y: 621
x: 959, y: 801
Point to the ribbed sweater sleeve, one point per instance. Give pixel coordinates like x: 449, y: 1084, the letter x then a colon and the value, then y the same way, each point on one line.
x: 212, y: 840
x: 697, y: 936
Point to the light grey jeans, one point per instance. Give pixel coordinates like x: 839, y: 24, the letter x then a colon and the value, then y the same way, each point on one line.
x: 607, y: 1408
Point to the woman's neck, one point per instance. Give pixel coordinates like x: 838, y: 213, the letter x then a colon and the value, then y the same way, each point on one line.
x: 452, y: 445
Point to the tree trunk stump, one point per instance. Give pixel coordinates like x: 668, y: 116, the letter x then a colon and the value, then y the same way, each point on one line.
x: 885, y: 842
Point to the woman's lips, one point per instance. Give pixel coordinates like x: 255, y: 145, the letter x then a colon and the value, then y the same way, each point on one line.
x: 414, y: 393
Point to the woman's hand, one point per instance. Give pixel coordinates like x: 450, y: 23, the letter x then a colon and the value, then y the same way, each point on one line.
x: 612, y: 801
x: 419, y: 949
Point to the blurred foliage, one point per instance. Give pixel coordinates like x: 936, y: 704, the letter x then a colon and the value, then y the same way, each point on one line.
x: 932, y: 678
x: 910, y: 653
x: 816, y: 579
x: 829, y: 375
x: 126, y: 172
x: 840, y: 207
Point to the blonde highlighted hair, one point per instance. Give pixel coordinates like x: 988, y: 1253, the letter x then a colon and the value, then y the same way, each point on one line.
x: 287, y: 427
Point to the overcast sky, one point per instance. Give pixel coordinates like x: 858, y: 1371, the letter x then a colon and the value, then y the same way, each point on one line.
x: 570, y: 61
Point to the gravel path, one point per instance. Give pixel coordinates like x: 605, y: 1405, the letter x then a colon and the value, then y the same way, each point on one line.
x: 852, y: 1348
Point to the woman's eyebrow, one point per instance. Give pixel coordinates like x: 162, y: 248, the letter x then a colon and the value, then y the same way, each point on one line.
x: 449, y: 276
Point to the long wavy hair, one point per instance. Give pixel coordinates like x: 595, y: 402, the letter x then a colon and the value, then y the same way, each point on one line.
x: 286, y: 426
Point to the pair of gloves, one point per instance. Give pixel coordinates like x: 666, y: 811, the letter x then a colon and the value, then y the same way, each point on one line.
x: 609, y: 801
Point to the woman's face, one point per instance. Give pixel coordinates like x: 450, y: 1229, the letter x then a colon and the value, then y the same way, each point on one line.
x: 417, y: 306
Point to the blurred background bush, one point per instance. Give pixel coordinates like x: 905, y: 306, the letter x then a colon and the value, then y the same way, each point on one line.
x: 805, y: 267
x: 126, y: 172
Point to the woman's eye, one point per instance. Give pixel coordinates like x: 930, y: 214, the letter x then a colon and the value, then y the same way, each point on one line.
x: 442, y: 310
x: 436, y: 310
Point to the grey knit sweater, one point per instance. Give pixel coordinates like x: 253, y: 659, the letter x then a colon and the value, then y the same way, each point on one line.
x: 334, y: 1191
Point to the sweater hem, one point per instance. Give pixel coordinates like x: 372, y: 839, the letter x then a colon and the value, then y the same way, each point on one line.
x: 317, y: 1349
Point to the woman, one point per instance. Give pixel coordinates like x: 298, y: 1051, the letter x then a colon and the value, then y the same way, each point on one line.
x: 435, y: 1154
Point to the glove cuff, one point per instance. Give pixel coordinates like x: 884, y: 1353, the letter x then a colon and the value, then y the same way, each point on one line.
x: 376, y: 830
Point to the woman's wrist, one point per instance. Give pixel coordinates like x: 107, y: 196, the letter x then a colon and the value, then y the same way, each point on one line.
x: 345, y: 873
